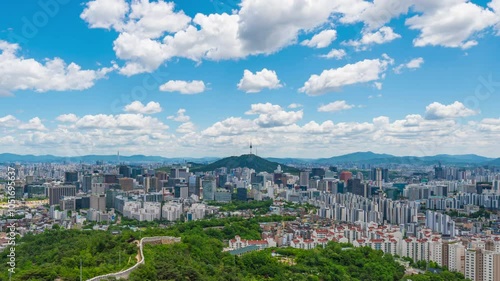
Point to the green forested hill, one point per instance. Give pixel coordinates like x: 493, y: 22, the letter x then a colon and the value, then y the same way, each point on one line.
x: 249, y: 161
x: 57, y: 253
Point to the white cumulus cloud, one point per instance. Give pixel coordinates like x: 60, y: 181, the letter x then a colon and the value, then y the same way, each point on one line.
x: 184, y: 87
x: 335, y: 54
x: 105, y: 13
x: 333, y: 80
x: 335, y: 106
x: 180, y: 116
x: 450, y: 23
x: 186, y: 128
x: 412, y: 64
x: 321, y: 40
x: 19, y: 73
x: 67, y: 118
x: 271, y: 115
x: 34, y: 124
x: 383, y: 35
x: 457, y: 109
x: 254, y: 83
x: 137, y: 107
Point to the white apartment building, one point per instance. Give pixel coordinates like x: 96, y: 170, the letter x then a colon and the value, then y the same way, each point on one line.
x: 456, y: 257
x: 172, y: 211
x: 435, y: 251
x: 149, y: 212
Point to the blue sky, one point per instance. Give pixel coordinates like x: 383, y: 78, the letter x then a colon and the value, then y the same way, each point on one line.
x: 409, y: 77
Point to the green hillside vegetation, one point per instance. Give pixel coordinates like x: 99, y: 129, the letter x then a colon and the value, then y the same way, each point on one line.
x: 57, y: 253
x: 248, y: 160
x: 199, y: 257
x: 257, y: 207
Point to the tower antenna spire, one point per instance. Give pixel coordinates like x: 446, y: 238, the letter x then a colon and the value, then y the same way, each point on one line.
x: 250, y: 147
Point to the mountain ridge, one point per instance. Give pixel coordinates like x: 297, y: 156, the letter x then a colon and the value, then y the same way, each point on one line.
x: 138, y: 158
x: 367, y: 157
x: 251, y: 161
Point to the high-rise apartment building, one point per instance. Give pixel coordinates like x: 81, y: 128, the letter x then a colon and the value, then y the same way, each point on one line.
x: 456, y: 257
x: 482, y: 265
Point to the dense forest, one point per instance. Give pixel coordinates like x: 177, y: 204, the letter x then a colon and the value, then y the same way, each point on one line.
x: 57, y: 253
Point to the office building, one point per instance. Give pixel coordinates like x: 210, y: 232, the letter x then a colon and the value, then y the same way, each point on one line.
x: 110, y: 178
x: 439, y: 172
x: 98, y: 202
x: 178, y: 173
x: 68, y: 203
x: 35, y: 190
x: 70, y: 177
x: 135, y: 172
x: 304, y: 180
x: 82, y: 202
x: 209, y: 188
x: 241, y: 193
x: 355, y: 186
x: 126, y: 184
x: 221, y: 180
x: 124, y: 171
x: 318, y: 172
x: 29, y: 179
x: 86, y: 183
x: 222, y: 195
x: 194, y: 185
x: 57, y: 192
x: 181, y: 191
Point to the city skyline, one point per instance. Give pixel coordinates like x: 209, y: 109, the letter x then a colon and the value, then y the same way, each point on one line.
x: 302, y: 79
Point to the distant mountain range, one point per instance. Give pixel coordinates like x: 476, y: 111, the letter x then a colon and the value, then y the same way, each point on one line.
x: 11, y: 158
x: 374, y: 158
x: 270, y: 165
x: 248, y: 160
